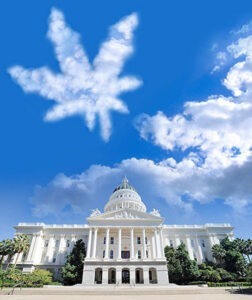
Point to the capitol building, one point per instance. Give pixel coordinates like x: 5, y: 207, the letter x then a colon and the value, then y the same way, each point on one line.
x: 125, y: 243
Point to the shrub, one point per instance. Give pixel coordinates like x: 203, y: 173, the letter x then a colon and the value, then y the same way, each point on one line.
x: 41, y: 276
x: 12, y: 277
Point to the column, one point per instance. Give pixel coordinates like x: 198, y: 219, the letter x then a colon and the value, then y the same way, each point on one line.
x: 89, y: 243
x: 95, y: 243
x: 144, y: 244
x: 132, y: 276
x: 156, y: 243
x: 146, y: 276
x: 37, y: 250
x: 153, y: 247
x: 49, y: 249
x: 32, y: 243
x: 118, y: 275
x: 177, y: 242
x: 107, y: 244
x: 162, y: 243
x: 60, y: 255
x: 119, y: 243
x: 199, y: 251
x: 189, y: 248
x: 132, y: 243
x: 104, y: 275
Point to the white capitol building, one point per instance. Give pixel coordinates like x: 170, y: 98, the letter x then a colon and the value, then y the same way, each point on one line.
x: 124, y: 243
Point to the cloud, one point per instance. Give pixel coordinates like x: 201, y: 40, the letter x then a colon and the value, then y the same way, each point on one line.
x: 82, y: 88
x: 213, y: 135
x: 208, y: 148
x: 180, y: 185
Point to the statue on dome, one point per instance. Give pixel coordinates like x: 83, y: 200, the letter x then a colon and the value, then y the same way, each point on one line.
x: 155, y: 212
x: 95, y: 212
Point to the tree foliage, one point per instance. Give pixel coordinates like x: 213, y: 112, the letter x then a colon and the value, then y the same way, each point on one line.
x: 73, y: 269
x: 9, y: 247
x: 231, y: 255
x: 181, y: 268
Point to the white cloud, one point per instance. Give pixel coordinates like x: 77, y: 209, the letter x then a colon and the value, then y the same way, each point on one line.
x: 213, y: 137
x: 88, y: 90
x: 216, y: 134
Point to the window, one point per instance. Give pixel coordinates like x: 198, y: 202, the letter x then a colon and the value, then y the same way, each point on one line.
x: 171, y: 243
x: 68, y: 243
x: 192, y: 243
x: 54, y: 260
x: 111, y: 254
x: 57, y: 243
x: 146, y: 240
x: 112, y: 240
x: 138, y: 240
x: 205, y: 257
x: 46, y: 243
x: 125, y: 254
x: 103, y: 254
x: 147, y: 254
x: 139, y: 254
x: 203, y: 243
x: 104, y: 240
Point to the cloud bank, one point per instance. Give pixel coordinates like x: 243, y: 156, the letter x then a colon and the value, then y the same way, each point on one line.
x: 212, y: 137
x: 82, y: 88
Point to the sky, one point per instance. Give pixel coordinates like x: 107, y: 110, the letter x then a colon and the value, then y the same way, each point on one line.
x: 158, y: 91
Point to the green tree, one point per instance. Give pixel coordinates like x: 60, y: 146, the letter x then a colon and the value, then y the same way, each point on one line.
x: 21, y: 243
x: 219, y: 253
x: 10, y: 252
x: 230, y: 256
x: 173, y: 264
x: 4, y: 249
x: 73, y: 269
x: 208, y: 273
x: 181, y: 268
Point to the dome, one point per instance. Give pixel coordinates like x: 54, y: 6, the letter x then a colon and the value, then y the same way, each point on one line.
x: 125, y: 196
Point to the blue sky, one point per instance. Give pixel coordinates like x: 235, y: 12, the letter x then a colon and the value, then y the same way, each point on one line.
x: 178, y: 126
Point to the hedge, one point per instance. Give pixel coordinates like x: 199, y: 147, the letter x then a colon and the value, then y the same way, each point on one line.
x: 222, y: 284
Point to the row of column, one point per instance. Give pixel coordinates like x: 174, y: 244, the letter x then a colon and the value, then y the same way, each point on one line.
x: 156, y: 240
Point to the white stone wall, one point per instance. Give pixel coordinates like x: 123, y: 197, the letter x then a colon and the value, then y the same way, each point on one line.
x: 50, y: 245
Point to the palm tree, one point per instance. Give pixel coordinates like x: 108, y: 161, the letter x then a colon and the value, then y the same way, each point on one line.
x: 10, y: 249
x: 21, y: 244
x: 5, y: 246
x: 248, y: 249
x: 218, y: 252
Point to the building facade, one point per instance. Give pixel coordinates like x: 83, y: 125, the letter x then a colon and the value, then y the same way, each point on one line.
x: 125, y: 243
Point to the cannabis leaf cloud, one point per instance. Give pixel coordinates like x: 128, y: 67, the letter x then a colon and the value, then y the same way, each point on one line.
x: 89, y: 90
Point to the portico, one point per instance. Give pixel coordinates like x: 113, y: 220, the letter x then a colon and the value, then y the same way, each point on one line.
x: 117, y: 240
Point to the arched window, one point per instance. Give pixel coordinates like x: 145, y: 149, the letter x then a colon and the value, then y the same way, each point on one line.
x: 111, y: 254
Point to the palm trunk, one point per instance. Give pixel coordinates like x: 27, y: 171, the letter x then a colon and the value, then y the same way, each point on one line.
x: 1, y: 260
x: 16, y: 260
x: 9, y: 260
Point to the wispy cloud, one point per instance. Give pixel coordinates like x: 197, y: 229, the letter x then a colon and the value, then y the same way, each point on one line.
x: 82, y: 88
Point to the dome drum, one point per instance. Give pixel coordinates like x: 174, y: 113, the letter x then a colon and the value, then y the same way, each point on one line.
x: 125, y: 196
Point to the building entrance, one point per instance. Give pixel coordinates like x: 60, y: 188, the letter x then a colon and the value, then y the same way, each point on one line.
x: 125, y: 276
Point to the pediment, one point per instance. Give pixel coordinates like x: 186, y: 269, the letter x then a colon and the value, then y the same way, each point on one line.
x: 125, y: 215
